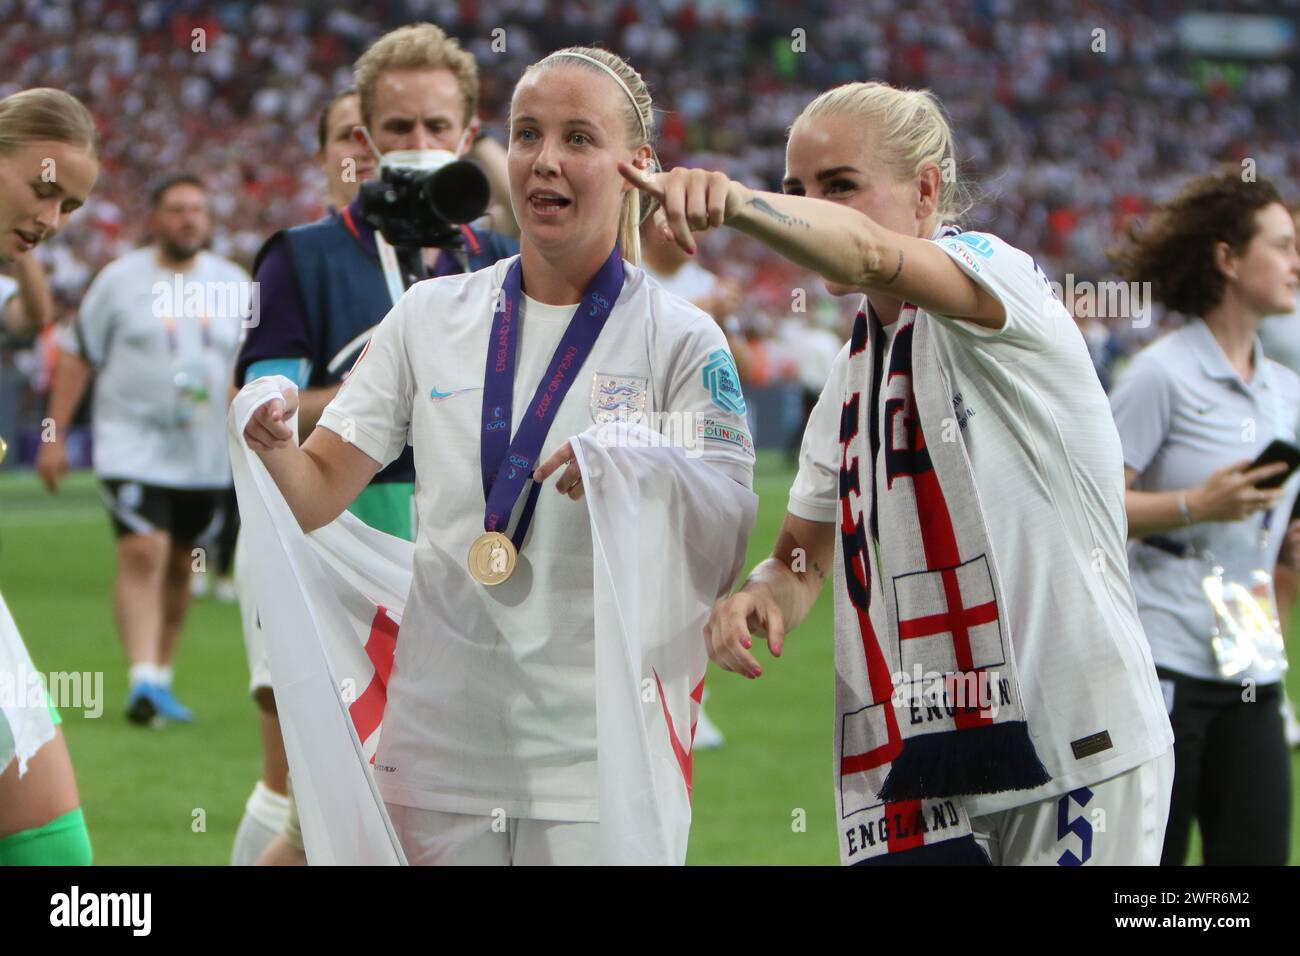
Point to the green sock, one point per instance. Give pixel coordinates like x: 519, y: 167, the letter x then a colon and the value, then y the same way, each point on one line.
x: 63, y: 841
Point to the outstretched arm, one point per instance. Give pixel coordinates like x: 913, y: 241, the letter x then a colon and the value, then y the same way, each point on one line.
x: 835, y: 241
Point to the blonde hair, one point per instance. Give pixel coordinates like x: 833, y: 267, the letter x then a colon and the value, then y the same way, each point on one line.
x: 638, y: 126
x: 911, y: 133
x: 420, y: 46
x: 46, y: 114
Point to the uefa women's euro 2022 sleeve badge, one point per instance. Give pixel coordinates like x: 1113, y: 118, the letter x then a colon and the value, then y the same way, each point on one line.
x: 617, y: 398
x: 722, y: 380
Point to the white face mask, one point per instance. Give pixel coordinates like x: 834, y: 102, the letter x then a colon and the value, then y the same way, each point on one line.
x: 423, y: 159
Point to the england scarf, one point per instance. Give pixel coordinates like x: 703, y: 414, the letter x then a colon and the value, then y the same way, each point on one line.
x: 331, y: 605
x: 928, y: 704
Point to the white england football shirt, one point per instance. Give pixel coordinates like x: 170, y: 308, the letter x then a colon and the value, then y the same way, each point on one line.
x: 163, y: 346
x: 497, y: 712
x: 1048, y: 465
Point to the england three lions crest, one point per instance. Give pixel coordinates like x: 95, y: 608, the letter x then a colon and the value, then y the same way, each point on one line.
x: 617, y: 398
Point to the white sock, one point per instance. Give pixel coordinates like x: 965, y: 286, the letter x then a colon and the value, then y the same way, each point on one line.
x: 143, y: 674
x: 265, y: 815
x: 165, y: 675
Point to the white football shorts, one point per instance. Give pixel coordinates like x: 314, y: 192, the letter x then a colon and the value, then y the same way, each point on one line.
x: 1118, y: 822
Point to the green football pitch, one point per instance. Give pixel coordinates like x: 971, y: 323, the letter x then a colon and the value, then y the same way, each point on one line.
x: 175, y: 795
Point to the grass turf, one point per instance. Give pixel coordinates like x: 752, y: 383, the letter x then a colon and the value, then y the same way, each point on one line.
x: 175, y: 795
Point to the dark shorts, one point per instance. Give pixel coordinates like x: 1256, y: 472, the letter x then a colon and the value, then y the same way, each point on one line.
x: 137, y: 508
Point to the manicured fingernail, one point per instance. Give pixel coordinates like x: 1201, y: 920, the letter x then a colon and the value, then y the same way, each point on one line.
x: 746, y: 643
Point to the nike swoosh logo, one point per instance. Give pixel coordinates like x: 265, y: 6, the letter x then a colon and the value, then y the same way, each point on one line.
x: 438, y: 396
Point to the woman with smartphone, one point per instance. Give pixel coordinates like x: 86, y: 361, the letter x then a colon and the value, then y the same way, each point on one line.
x: 1196, y: 412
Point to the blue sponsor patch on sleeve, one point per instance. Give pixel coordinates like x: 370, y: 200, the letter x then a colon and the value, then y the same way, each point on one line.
x: 976, y: 243
x: 961, y: 251
x: 723, y: 382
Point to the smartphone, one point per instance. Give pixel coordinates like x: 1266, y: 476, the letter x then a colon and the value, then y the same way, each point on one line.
x: 1276, y: 451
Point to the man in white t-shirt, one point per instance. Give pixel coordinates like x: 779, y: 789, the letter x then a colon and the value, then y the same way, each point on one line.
x: 494, y: 716
x: 160, y: 328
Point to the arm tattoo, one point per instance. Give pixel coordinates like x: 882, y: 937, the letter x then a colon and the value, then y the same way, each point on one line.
x: 818, y: 568
x: 763, y: 206
x: 899, y: 269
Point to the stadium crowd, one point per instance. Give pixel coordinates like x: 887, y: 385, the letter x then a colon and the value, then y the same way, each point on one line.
x: 1074, y: 119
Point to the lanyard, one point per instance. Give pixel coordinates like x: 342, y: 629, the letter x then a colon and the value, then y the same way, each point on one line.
x: 172, y: 330
x: 387, y: 257
x: 507, y: 464
x: 392, y: 271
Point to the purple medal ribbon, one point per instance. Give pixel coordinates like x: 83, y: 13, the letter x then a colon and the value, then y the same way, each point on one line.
x: 507, y: 463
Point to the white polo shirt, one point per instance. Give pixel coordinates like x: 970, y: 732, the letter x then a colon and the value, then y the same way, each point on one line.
x: 496, y: 710
x: 1047, y: 464
x: 1183, y: 413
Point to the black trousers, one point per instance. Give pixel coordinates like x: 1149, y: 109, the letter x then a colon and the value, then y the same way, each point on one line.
x: 1232, y: 774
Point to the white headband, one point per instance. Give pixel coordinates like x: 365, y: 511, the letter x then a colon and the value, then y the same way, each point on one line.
x: 645, y: 133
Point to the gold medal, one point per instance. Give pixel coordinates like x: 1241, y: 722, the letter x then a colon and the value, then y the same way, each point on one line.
x: 492, y: 558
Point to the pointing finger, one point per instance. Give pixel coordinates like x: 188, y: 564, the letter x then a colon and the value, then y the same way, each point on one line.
x: 561, y: 456
x: 646, y: 183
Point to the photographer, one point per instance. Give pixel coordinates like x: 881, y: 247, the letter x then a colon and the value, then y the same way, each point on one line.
x: 325, y: 285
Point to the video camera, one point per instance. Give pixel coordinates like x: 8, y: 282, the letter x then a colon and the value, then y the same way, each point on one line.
x: 421, y: 198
